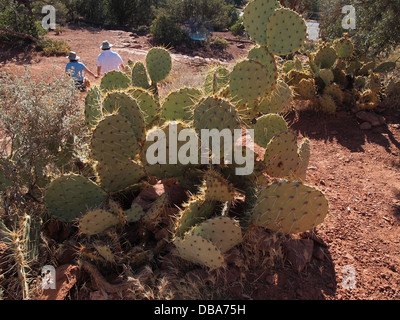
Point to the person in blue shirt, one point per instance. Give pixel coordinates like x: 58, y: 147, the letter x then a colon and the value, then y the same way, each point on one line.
x: 76, y: 70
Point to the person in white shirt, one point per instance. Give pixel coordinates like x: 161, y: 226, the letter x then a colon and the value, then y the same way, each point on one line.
x: 108, y: 60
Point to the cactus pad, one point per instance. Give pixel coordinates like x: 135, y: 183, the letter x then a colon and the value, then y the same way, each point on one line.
x: 325, y: 57
x: 196, y: 210
x: 216, y: 113
x: 304, y: 159
x: 113, y: 140
x: 215, y: 187
x: 139, y: 76
x: 97, y: 221
x: 116, y: 176
x: 327, y: 76
x: 255, y: 18
x: 134, y: 213
x: 93, y: 110
x: 196, y: 249
x: 344, y: 48
x: 216, y: 80
x: 158, y: 63
x: 114, y: 80
x: 168, y: 169
x: 286, y: 33
x: 277, y: 100
x: 290, y: 207
x: 281, y: 156
x: 306, y: 89
x: 146, y: 103
x: 327, y: 104
x: 266, y: 127
x: 69, y: 196
x: 223, y: 232
x: 177, y: 105
x: 249, y: 80
x: 123, y: 104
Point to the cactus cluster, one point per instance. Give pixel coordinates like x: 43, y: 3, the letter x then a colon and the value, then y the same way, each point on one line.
x: 126, y: 118
x: 335, y: 75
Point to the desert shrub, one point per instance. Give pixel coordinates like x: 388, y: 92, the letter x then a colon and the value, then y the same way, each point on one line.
x: 18, y: 16
x: 218, y: 43
x: 377, y: 25
x: 214, y: 12
x: 52, y: 47
x: 166, y: 31
x: 39, y: 121
x: 238, y: 28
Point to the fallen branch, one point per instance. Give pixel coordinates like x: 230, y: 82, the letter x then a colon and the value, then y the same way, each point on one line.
x: 19, y: 35
x: 241, y: 41
x: 103, y: 284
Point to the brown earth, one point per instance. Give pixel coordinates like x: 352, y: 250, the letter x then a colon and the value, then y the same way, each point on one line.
x: 358, y: 170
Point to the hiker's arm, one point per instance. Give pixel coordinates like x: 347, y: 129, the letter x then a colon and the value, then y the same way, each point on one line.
x: 98, y: 71
x: 122, y: 67
x: 91, y: 73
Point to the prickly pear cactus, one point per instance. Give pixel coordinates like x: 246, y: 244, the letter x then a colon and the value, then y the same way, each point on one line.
x: 68, y: 197
x: 114, y: 80
x: 290, y: 207
x: 113, y: 140
x: 126, y: 106
x: 177, y: 105
x: 93, y: 108
x: 158, y: 63
x: 139, y: 76
x: 97, y: 221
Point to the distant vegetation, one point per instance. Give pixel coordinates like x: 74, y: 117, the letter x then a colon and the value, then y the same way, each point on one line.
x: 378, y: 27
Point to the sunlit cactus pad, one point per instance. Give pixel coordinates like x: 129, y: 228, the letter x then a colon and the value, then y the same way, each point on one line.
x: 290, y: 207
x: 286, y: 33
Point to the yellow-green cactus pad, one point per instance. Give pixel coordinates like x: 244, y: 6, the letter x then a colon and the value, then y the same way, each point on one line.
x: 147, y: 104
x: 223, y: 232
x: 215, y: 187
x: 97, y: 221
x: 344, y: 47
x: 268, y: 126
x: 255, y: 18
x: 139, y: 76
x: 286, y: 32
x: 117, y: 176
x: 134, y: 213
x: 93, y: 109
x: 306, y: 89
x: 114, y: 80
x: 281, y: 156
x: 290, y: 207
x: 158, y: 63
x: 216, y: 79
x: 123, y: 104
x: 196, y: 249
x: 196, y: 210
x: 167, y: 139
x: 250, y: 80
x: 325, y: 57
x: 304, y: 159
x: 178, y: 104
x: 113, y: 140
x: 277, y: 100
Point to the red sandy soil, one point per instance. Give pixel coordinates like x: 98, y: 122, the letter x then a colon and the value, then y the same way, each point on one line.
x: 359, y: 172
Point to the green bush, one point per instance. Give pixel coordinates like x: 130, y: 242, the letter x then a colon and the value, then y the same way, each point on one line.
x: 166, y: 31
x: 40, y: 120
x: 218, y: 43
x: 214, y: 12
x: 238, y: 28
x: 52, y: 47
